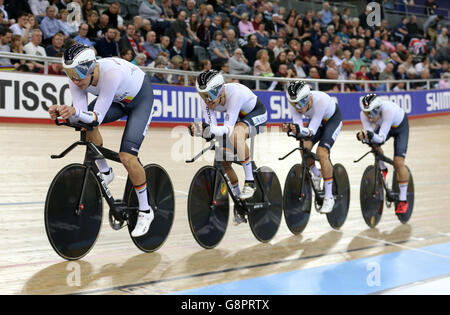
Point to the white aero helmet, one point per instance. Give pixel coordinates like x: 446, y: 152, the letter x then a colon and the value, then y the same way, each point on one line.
x: 370, y: 105
x: 298, y: 94
x: 210, y: 85
x: 78, y: 61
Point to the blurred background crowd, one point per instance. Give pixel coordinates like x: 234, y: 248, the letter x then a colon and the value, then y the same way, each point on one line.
x: 245, y: 37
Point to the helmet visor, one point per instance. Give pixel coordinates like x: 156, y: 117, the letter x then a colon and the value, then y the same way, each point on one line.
x: 301, y: 103
x: 373, y: 113
x: 79, y: 72
x: 212, y: 94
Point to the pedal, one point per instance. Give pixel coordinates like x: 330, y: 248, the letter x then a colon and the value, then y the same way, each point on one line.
x: 114, y: 223
x: 239, y: 216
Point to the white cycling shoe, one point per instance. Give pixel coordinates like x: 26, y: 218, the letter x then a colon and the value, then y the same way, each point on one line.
x: 143, y: 223
x: 248, y: 191
x: 107, y: 177
x: 327, y: 206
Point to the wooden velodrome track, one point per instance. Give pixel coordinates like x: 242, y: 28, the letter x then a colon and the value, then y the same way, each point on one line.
x: 28, y: 264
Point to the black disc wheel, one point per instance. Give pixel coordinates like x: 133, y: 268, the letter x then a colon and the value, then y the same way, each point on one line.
x: 341, y: 193
x: 162, y: 200
x: 296, y: 204
x: 371, y: 197
x: 404, y: 218
x: 265, y: 218
x: 72, y: 228
x: 208, y: 207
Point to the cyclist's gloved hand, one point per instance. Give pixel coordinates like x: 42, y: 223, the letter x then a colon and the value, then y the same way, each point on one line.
x: 206, y: 132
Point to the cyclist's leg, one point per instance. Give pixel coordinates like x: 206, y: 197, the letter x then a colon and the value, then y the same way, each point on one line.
x: 401, y: 135
x: 227, y: 167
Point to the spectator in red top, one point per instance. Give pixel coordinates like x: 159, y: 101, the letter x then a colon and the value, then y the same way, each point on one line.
x: 128, y: 41
x: 54, y: 68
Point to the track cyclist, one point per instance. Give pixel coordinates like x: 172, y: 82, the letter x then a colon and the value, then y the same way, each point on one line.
x: 324, y: 127
x: 121, y: 89
x: 389, y: 120
x: 244, y: 117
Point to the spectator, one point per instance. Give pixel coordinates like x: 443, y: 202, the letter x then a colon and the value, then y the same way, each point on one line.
x: 113, y: 14
x: 388, y: 72
x: 231, y: 44
x: 270, y: 49
x: 22, y: 27
x: 373, y: 75
x: 356, y: 59
x: 167, y: 11
x: 299, y: 67
x: 279, y: 47
x: 175, y: 63
x: 362, y: 73
x: 306, y: 52
x: 327, y: 16
x: 425, y: 75
x: 408, y: 64
x: 50, y: 25
x: 251, y: 50
x: 164, y: 44
x: 190, y: 8
x: 277, y: 24
x: 217, y: 51
x: 140, y: 60
x: 34, y: 48
x: 128, y: 41
x: 318, y: 47
x: 205, y: 65
x: 57, y: 45
x: 245, y: 7
x: 430, y: 26
x: 94, y: 29
x: 399, y: 87
x: 126, y: 54
x: 67, y: 28
x: 262, y: 35
x: 283, y: 72
x: 412, y: 75
x: 238, y: 64
x: 38, y: 8
x: 159, y: 77
x: 445, y: 82
x: 107, y: 45
x: 281, y: 59
x: 424, y: 64
x: 245, y: 26
x: 412, y: 27
x: 87, y: 8
x: 82, y: 35
x: 204, y: 33
x: 177, y: 48
x: 400, y: 74
x: 379, y: 62
x: 150, y: 46
x: 401, y: 31
x: 262, y: 65
x: 442, y: 39
x: 5, y: 44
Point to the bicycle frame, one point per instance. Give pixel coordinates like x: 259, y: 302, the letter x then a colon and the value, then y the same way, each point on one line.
x: 246, y: 206
x: 94, y: 152
x: 306, y: 154
x: 390, y: 195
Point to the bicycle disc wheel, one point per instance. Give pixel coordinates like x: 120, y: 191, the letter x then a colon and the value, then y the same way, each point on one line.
x: 297, y: 209
x: 72, y: 234
x: 162, y: 200
x: 371, y: 198
x: 404, y: 218
x: 264, y: 222
x: 208, y: 212
x: 341, y: 192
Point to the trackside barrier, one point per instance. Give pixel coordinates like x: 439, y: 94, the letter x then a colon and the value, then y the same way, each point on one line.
x: 26, y: 97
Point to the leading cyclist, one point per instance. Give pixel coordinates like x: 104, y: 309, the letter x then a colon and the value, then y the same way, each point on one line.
x: 121, y: 89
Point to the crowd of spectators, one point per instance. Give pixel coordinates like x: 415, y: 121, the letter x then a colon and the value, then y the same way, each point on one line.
x: 251, y: 37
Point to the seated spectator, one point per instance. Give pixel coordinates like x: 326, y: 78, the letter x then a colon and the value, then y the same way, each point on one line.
x: 87, y: 8
x: 412, y: 27
x: 82, y: 35
x: 262, y: 65
x: 283, y: 72
x: 38, y: 8
x: 17, y: 47
x: 262, y: 35
x: 281, y: 46
x: 217, y: 51
x: 442, y: 39
x: 424, y: 75
x: 69, y: 29
x: 238, y: 63
x: 423, y: 64
x: 57, y: 45
x: 177, y: 48
x: 245, y: 26
x: 107, y: 45
x: 401, y: 31
x: 251, y: 50
x: 114, y: 17
x: 5, y: 41
x: 204, y: 33
x: 412, y: 75
x: 408, y: 62
x: 356, y: 59
x: 230, y: 42
x: 50, y: 25
x: 400, y: 74
x: 128, y: 41
x: 126, y: 54
x: 387, y: 74
x: 140, y: 60
x: 318, y: 48
x: 159, y: 77
x: 281, y: 59
x: 94, y: 29
x: 205, y: 65
x: 373, y: 75
x: 22, y: 27
x: 175, y: 63
x: 150, y: 10
x: 445, y: 82
x: 34, y: 48
x: 379, y: 62
x: 362, y: 73
x: 103, y: 24
x: 399, y: 87
x: 150, y: 46
x: 299, y: 67
x: 245, y: 7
